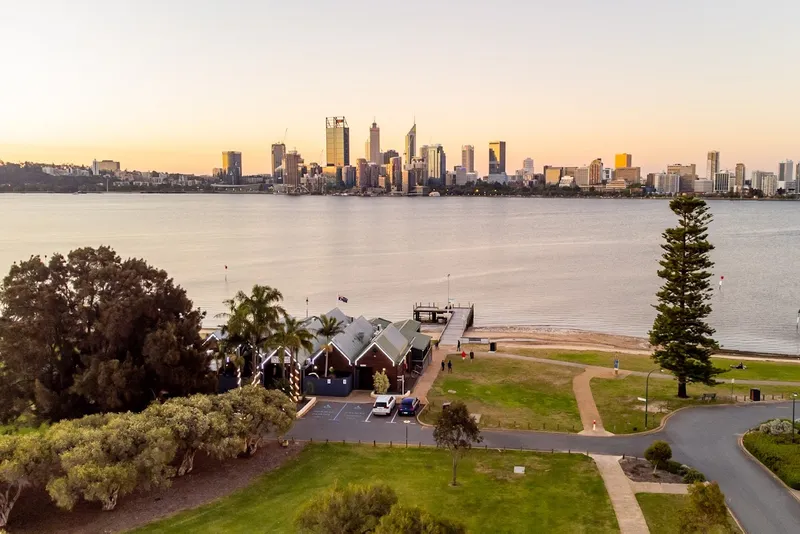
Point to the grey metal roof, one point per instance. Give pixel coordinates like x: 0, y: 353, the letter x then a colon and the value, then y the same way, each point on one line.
x: 421, y: 341
x: 340, y: 316
x: 393, y: 343
x: 356, y: 336
x: 379, y: 321
x: 409, y: 327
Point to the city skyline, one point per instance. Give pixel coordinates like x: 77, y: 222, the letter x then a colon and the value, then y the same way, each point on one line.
x: 69, y: 107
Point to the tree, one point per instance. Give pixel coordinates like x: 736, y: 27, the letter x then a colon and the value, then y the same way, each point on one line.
x: 680, y: 334
x: 196, y: 425
x: 25, y: 462
x: 331, y: 327
x: 353, y: 509
x: 415, y: 520
x: 90, y: 333
x: 255, y: 412
x: 380, y: 382
x: 658, y: 454
x: 253, y: 319
x: 293, y: 336
x: 101, y: 462
x: 706, y: 510
x: 456, y: 430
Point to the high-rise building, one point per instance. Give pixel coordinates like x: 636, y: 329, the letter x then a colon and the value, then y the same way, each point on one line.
x: 785, y: 169
x: 435, y: 162
x: 497, y: 157
x: 411, y: 145
x: 797, y: 174
x: 292, y: 165
x: 337, y: 141
x: 468, y: 158
x: 527, y: 167
x: 232, y: 167
x: 623, y: 160
x: 581, y: 176
x: 362, y: 173
x: 712, y: 165
x: 461, y: 175
x: 374, y: 143
x: 683, y: 170
x: 739, y: 181
x: 388, y: 155
x: 632, y: 175
x: 106, y: 165
x: 666, y: 183
x: 394, y: 171
x: 552, y: 175
x: 596, y: 172
x: 724, y: 181
x: 764, y: 181
x: 278, y: 153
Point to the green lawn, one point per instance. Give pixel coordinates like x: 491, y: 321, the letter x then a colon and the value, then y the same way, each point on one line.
x: 509, y: 393
x: 778, y: 453
x: 622, y: 412
x: 662, y: 512
x: 756, y: 370
x: 558, y: 494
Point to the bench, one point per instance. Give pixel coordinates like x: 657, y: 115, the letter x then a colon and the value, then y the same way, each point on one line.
x: 708, y: 397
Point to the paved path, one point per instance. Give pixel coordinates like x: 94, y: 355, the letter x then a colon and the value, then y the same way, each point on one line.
x: 590, y: 416
x: 629, y: 514
x: 658, y: 487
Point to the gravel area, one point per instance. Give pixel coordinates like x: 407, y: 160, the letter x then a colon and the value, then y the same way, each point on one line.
x: 209, y: 480
x: 640, y: 470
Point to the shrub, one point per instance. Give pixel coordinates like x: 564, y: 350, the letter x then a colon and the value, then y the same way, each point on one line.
x: 671, y: 466
x: 693, y: 475
x: 706, y: 509
x: 658, y: 453
x: 381, y: 382
x: 776, y: 427
x: 777, y: 453
x: 353, y: 509
x: 413, y: 520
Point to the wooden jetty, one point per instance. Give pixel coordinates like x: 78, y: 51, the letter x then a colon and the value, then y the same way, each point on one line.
x: 457, y: 317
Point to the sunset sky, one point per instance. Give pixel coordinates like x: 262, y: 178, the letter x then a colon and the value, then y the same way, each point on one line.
x: 169, y: 84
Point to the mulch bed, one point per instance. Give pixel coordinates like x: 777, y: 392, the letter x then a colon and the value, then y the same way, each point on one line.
x: 209, y: 480
x: 640, y: 470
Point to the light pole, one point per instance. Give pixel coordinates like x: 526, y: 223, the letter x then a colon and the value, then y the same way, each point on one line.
x: 794, y: 396
x: 646, y: 395
x: 406, y: 425
x: 448, y: 290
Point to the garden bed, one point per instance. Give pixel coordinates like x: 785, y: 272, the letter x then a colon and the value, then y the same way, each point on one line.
x: 640, y: 470
x: 777, y: 452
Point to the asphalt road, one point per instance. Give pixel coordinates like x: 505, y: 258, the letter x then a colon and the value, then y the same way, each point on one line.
x: 703, y: 437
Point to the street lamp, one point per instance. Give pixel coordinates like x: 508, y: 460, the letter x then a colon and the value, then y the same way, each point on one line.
x: 794, y: 396
x: 406, y: 425
x: 448, y: 290
x: 646, y: 394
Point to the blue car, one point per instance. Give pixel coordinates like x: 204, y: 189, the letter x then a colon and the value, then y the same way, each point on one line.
x: 408, y: 406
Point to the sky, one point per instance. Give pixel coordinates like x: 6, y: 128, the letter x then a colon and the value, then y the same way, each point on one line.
x: 170, y: 84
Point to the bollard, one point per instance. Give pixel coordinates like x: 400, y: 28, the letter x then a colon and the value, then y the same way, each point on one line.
x: 552, y: 451
x: 594, y: 424
x: 359, y: 442
x: 326, y: 441
x: 312, y: 440
x: 374, y: 444
x: 342, y: 442
x: 390, y: 444
x: 420, y: 444
x: 569, y: 451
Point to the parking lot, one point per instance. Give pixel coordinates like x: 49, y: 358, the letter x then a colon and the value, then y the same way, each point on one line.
x: 355, y: 412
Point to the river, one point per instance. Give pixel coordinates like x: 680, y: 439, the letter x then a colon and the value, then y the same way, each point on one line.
x: 572, y: 263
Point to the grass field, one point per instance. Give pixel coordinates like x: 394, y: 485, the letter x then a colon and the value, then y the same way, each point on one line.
x: 490, y: 498
x: 662, y: 512
x: 509, y: 393
x: 786, y: 372
x: 622, y: 412
x: 778, y: 453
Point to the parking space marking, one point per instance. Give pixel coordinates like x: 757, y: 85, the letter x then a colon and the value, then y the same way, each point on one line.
x: 340, y: 411
x: 367, y: 419
x: 395, y: 416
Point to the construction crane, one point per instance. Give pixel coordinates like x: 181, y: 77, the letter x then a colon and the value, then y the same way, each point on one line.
x: 284, y: 135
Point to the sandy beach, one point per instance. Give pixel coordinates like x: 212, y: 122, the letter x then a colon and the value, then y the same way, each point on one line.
x: 545, y: 335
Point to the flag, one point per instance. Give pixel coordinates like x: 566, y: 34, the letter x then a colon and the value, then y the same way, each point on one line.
x: 342, y: 298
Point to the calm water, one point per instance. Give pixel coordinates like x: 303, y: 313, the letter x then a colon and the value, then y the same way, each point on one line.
x: 588, y: 264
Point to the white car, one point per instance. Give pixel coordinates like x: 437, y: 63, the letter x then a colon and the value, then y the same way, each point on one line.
x: 384, y: 405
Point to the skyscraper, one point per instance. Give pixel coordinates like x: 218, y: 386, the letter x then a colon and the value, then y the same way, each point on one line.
x: 468, y: 157
x: 411, y: 145
x: 527, y: 167
x: 388, y: 155
x: 375, y: 143
x: 497, y: 157
x: 291, y: 169
x: 232, y: 167
x: 278, y: 153
x: 712, y: 165
x: 436, y: 162
x: 623, y: 160
x: 785, y: 169
x: 596, y: 172
x: 337, y: 141
x: 739, y: 180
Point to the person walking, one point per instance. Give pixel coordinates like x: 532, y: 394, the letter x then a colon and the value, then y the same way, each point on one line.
x: 449, y: 366
x: 442, y: 365
x: 458, y: 345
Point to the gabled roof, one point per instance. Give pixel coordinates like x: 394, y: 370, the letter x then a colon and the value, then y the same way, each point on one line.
x: 379, y: 321
x: 340, y: 316
x: 356, y: 336
x: 421, y: 341
x: 391, y: 343
x: 216, y: 335
x: 409, y: 328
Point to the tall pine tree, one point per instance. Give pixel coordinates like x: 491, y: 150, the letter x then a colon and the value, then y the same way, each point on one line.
x: 681, y: 336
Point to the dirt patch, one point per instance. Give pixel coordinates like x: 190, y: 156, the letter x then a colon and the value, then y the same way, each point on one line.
x: 210, y: 480
x: 655, y: 407
x: 550, y: 335
x: 640, y: 470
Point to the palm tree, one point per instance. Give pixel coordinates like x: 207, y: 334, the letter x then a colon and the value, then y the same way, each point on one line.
x: 293, y: 337
x: 331, y: 327
x: 254, y: 319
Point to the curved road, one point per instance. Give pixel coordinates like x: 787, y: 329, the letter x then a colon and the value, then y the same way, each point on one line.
x: 704, y: 437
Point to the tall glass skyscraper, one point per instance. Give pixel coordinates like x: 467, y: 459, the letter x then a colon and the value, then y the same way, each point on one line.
x: 337, y: 141
x: 497, y: 157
